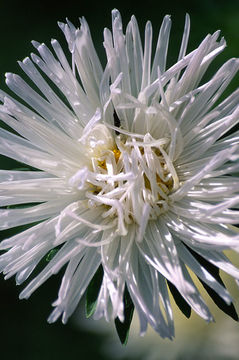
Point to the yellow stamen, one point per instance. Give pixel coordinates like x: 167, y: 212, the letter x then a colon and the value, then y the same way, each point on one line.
x: 102, y: 164
x: 117, y: 154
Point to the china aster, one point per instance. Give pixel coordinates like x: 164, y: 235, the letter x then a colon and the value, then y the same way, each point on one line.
x: 131, y: 178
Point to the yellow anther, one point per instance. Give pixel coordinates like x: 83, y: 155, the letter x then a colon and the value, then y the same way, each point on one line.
x: 117, y: 154
x: 102, y: 164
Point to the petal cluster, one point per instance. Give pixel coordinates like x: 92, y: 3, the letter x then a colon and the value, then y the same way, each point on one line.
x: 132, y: 168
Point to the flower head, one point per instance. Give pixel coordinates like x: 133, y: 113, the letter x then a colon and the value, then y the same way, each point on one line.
x: 135, y: 175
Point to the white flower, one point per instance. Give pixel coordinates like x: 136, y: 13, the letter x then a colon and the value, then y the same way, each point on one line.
x: 137, y: 174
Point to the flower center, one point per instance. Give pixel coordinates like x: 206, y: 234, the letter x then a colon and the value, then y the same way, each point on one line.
x: 130, y: 176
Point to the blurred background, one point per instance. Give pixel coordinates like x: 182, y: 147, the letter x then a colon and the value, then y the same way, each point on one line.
x: 25, y: 334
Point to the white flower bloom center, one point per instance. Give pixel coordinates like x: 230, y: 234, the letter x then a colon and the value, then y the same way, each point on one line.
x: 99, y: 141
x: 130, y: 176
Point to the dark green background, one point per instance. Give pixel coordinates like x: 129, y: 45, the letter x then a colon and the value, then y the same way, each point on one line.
x: 25, y: 334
